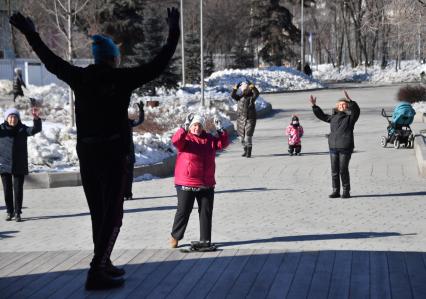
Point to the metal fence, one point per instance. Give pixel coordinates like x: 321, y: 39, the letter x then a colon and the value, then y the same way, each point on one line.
x: 33, y: 71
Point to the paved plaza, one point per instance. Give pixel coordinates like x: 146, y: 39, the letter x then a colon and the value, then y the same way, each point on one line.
x: 279, y: 234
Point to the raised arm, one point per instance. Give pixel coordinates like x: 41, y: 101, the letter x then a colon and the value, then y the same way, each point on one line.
x: 222, y: 140
x: 36, y: 128
x: 354, y: 108
x: 178, y: 139
x: 318, y: 111
x: 54, y: 64
x: 234, y: 94
x: 135, y: 77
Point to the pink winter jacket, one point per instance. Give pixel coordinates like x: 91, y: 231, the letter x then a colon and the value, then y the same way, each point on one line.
x: 294, y: 134
x: 195, y: 162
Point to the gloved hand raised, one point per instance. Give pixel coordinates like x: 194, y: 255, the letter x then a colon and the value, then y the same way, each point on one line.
x: 23, y: 24
x: 237, y: 85
x: 140, y: 105
x: 218, y: 123
x: 173, y: 19
x: 188, y: 120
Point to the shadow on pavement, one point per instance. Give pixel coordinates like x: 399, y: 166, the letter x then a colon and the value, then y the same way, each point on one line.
x: 7, y: 234
x: 232, y: 274
x: 248, y: 190
x: 420, y: 193
x: 126, y: 211
x: 357, y: 235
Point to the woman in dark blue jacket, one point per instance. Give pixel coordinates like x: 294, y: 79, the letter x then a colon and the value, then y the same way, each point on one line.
x: 340, y: 140
x: 14, y: 158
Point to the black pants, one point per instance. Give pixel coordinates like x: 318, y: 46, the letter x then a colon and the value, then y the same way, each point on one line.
x: 294, y: 147
x: 340, y: 169
x: 103, y: 174
x: 129, y: 181
x: 186, y: 200
x: 10, y: 189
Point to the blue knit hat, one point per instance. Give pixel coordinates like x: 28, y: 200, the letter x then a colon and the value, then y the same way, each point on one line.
x: 104, y: 48
x: 11, y: 111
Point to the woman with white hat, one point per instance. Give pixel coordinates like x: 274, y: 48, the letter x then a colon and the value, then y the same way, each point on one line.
x: 194, y: 175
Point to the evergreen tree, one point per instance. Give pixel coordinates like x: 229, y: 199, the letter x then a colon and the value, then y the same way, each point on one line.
x: 123, y: 21
x: 273, y: 31
x: 192, y: 57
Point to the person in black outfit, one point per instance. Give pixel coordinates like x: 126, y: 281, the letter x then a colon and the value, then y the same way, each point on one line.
x: 307, y: 70
x: 128, y: 195
x: 340, y: 140
x: 14, y: 158
x: 18, y: 82
x: 102, y: 91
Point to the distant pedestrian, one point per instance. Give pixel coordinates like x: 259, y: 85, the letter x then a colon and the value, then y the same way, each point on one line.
x: 18, y: 82
x: 128, y: 195
x: 195, y: 175
x: 102, y: 95
x: 307, y: 70
x: 14, y: 158
x: 423, y: 77
x: 294, y: 131
x: 340, y: 140
x: 245, y: 93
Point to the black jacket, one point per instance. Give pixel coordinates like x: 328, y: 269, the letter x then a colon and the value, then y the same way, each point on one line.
x: 341, y: 125
x: 18, y: 82
x: 102, y: 93
x: 13, y: 146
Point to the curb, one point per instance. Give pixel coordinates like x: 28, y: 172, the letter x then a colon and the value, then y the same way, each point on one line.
x: 420, y: 148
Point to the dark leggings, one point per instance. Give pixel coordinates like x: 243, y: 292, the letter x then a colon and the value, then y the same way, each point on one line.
x: 103, y: 175
x: 10, y: 189
x: 294, y: 147
x: 186, y: 200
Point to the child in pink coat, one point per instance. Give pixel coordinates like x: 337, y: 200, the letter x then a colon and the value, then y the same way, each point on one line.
x: 294, y: 132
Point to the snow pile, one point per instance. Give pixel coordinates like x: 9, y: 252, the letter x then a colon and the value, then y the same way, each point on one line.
x: 271, y: 79
x: 420, y: 107
x: 409, y: 72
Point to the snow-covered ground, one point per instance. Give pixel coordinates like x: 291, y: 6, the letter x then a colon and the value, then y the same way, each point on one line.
x: 54, y: 148
x: 409, y: 72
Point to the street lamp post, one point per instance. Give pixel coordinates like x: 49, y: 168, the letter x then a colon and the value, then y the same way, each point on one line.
x: 182, y: 42
x: 302, y: 39
x: 201, y: 54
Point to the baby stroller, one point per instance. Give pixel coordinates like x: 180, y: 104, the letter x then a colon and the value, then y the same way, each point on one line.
x: 398, y: 130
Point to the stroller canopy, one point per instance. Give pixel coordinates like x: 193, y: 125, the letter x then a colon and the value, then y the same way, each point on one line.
x: 403, y: 114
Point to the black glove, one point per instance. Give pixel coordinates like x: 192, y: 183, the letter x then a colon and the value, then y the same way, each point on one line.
x: 23, y: 24
x: 173, y: 19
x: 140, y: 105
x: 188, y: 120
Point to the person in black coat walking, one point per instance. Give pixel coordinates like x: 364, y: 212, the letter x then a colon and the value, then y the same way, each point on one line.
x: 14, y: 158
x: 340, y: 140
x: 102, y: 92
x: 18, y: 82
x: 128, y: 195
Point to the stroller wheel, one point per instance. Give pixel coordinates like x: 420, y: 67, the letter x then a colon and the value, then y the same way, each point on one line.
x: 396, y: 144
x: 383, y: 141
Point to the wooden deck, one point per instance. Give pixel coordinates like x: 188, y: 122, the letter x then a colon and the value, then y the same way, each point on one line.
x: 224, y: 273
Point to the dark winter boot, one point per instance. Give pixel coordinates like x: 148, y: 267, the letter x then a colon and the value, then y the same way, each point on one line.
x: 346, y: 194
x: 114, y: 271
x: 98, y: 279
x: 335, y: 194
x: 18, y: 218
x: 9, y: 217
x: 245, y: 152
x: 249, y: 151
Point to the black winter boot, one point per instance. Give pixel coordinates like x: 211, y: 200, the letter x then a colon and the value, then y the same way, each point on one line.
x: 249, y: 151
x: 346, y: 194
x: 99, y: 279
x: 335, y: 194
x: 18, y: 218
x: 245, y: 152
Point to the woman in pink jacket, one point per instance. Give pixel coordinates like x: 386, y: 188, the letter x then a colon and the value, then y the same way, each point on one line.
x: 194, y: 175
x: 294, y: 132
